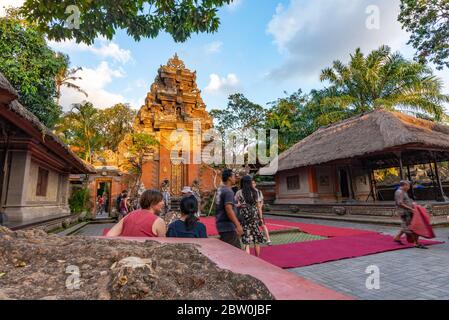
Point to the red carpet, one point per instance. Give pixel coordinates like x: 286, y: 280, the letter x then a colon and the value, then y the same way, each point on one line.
x: 313, y: 252
x: 209, y: 222
x: 318, y: 230
x: 276, y: 225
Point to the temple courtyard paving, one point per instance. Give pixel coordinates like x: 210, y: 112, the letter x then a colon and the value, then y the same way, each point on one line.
x: 404, y: 274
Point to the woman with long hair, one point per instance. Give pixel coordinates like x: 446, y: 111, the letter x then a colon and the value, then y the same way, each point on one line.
x: 247, y: 200
x: 188, y: 226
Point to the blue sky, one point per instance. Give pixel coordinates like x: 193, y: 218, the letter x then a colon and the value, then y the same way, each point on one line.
x: 262, y: 48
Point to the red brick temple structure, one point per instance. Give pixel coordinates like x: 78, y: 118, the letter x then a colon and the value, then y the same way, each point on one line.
x: 331, y: 172
x: 173, y: 103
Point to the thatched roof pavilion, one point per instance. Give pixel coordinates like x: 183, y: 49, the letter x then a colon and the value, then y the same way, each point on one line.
x: 336, y: 162
x: 370, y: 135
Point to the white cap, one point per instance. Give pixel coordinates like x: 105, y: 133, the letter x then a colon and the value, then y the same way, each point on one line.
x: 186, y: 190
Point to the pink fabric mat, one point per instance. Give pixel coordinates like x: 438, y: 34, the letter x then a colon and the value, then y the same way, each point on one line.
x: 302, y: 254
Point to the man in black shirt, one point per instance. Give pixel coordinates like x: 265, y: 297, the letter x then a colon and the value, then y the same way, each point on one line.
x: 226, y: 220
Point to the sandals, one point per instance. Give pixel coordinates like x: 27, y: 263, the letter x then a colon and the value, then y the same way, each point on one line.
x: 420, y: 246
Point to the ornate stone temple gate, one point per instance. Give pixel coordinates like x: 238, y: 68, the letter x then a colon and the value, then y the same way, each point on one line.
x: 173, y: 103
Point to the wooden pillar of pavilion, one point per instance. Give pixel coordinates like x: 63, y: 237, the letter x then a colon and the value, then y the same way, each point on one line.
x: 442, y: 197
x: 411, y: 182
x: 401, y: 165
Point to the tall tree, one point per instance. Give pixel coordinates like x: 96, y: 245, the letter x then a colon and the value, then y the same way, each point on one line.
x: 142, y: 145
x: 382, y: 79
x: 65, y: 78
x: 31, y: 67
x: 428, y: 23
x: 86, y: 20
x: 237, y: 124
x: 79, y: 128
x: 115, y: 122
x: 240, y: 113
x: 291, y: 117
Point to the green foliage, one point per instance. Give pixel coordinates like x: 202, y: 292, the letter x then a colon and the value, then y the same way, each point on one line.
x: 291, y: 117
x: 428, y: 23
x: 80, y: 128
x: 91, y: 130
x: 239, y: 114
x: 31, y: 67
x: 79, y: 201
x: 143, y: 144
x: 66, y: 76
x: 115, y: 122
x: 381, y: 79
x: 140, y: 19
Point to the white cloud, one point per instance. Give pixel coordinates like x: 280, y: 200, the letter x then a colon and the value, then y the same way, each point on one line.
x: 94, y: 82
x: 227, y: 85
x: 9, y: 3
x: 311, y: 34
x: 213, y: 47
x: 106, y: 49
x: 234, y: 5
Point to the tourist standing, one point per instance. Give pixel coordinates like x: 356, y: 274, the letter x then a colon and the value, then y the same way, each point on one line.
x: 99, y: 205
x: 188, y: 226
x: 119, y: 200
x: 145, y: 221
x: 405, y: 208
x: 262, y: 220
x: 228, y: 226
x: 124, y: 206
x: 186, y: 192
x: 196, y: 192
x: 165, y: 189
x: 248, y: 202
x: 105, y: 203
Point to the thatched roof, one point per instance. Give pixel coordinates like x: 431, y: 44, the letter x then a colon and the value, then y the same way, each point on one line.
x: 46, y: 133
x: 6, y: 89
x: 366, y: 134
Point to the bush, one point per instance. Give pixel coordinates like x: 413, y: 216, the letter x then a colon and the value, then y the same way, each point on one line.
x: 79, y: 201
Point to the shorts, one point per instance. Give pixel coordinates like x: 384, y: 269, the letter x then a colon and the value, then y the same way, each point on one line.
x: 406, y: 218
x: 231, y: 238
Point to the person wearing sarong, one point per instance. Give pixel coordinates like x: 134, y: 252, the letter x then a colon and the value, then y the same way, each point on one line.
x: 247, y: 200
x: 405, y: 209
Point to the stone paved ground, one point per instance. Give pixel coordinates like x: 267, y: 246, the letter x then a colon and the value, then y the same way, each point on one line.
x: 404, y: 274
x: 92, y: 230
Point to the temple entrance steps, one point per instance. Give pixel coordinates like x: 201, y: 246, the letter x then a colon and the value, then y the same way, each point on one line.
x: 175, y: 201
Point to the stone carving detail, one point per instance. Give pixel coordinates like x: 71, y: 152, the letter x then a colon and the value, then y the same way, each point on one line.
x: 173, y: 97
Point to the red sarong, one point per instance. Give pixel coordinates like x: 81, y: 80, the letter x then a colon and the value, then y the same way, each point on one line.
x: 420, y: 224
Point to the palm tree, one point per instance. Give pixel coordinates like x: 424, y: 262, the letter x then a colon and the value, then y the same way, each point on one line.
x: 79, y: 128
x: 65, y: 77
x: 380, y: 80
